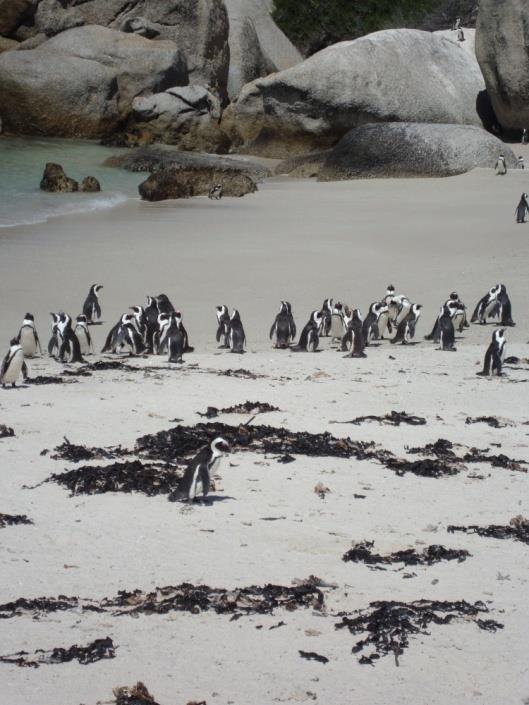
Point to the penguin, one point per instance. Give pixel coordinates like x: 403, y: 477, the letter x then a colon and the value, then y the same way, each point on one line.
x: 457, y: 24
x: 446, y: 327
x: 282, y: 327
x: 501, y: 166
x: 486, y: 306
x: 521, y: 163
x: 326, y: 315
x: 495, y: 355
x: 151, y: 313
x: 215, y: 193
x: 112, y: 337
x: 128, y: 337
x: 223, y: 326
x: 91, y: 307
x: 503, y: 304
x: 406, y: 328
x: 384, y: 322
x: 337, y: 322
x: 370, y: 325
x: 309, y: 338
x: 236, y: 333
x: 176, y: 340
x: 522, y: 208
x: 354, y: 336
x: 199, y: 472
x: 459, y: 320
x: 83, y: 335
x: 53, y: 344
x: 28, y: 337
x: 160, y: 337
x: 291, y: 318
x: 13, y: 364
x: 164, y: 304
x: 460, y: 35
x: 69, y: 343
x: 398, y: 308
x: 141, y: 323
x: 179, y: 320
x: 525, y: 136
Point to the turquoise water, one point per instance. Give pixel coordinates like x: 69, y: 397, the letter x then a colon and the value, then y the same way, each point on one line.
x: 22, y: 161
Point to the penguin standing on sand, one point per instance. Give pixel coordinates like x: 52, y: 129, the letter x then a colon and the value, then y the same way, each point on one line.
x: 236, y: 334
x: 309, y: 338
x: 160, y: 337
x: 459, y: 320
x: 69, y: 343
x: 53, y: 344
x: 176, y: 340
x: 199, y: 472
x: 485, y: 305
x: 215, y: 193
x: 128, y: 337
x: 495, y: 355
x: 522, y: 208
x: 501, y: 166
x: 139, y: 316
x: 370, y: 326
x: 28, y: 338
x: 384, y: 322
x: 521, y: 163
x: 281, y: 328
x: 406, y: 328
x: 354, y: 335
x: 446, y: 327
x: 223, y: 326
x: 91, y: 306
x: 503, y: 308
x: 525, y: 136
x: 326, y: 316
x: 83, y: 335
x: 13, y: 364
x: 337, y: 322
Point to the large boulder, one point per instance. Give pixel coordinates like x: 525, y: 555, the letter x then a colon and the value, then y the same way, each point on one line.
x: 257, y: 45
x: 54, y: 180
x: 502, y: 48
x: 82, y: 82
x: 188, y: 116
x: 468, y: 41
x: 154, y: 159
x: 198, y: 27
x: 396, y: 75
x: 392, y: 150
x: 14, y: 12
x: 165, y: 184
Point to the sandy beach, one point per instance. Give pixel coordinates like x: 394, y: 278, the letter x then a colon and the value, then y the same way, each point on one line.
x: 302, y: 241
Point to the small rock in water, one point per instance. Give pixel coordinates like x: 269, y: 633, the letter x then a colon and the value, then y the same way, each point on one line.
x: 55, y: 180
x: 90, y: 185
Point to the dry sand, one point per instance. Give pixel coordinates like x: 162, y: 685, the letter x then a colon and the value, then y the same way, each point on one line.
x: 301, y: 241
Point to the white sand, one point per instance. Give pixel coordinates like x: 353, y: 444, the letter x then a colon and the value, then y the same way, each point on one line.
x: 301, y: 241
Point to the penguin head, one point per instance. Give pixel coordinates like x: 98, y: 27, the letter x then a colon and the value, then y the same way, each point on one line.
x: 13, y: 343
x: 151, y: 301
x: 29, y: 317
x: 390, y: 291
x: 283, y: 307
x: 220, y: 445
x: 499, y: 335
x: 235, y: 315
x: 338, y: 308
x: 81, y: 318
x: 454, y: 296
x: 289, y: 307
x: 316, y: 317
x: 327, y: 305
x: 177, y: 318
x: 163, y: 319
x: 417, y: 308
x: 357, y: 315
x: 96, y: 288
x: 138, y: 310
x: 378, y: 308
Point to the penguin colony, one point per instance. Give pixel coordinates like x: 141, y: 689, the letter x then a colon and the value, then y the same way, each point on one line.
x: 159, y: 329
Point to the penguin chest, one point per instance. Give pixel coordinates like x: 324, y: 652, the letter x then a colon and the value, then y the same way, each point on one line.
x: 14, y: 368
x: 337, y: 329
x: 383, y: 324
x: 27, y: 341
x: 83, y: 340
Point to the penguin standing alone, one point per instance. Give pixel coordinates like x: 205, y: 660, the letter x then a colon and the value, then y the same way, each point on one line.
x: 216, y: 193
x: 198, y: 474
x: 237, y: 336
x: 522, y: 208
x: 494, y: 355
x: 13, y: 364
x: 354, y: 336
x: 501, y: 166
x: 223, y: 326
x: 91, y: 306
x: 53, y: 344
x: 282, y: 327
x: 28, y: 337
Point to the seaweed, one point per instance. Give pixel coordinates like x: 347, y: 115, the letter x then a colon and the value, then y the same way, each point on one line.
x: 249, y: 407
x: 77, y: 453
x: 390, y: 624
x: 128, y: 476
x: 491, y: 421
x: 362, y: 553
x: 136, y: 695
x: 240, y: 373
x: 13, y: 519
x: 6, y: 432
x: 444, y: 450
x: 394, y: 418
x: 180, y: 598
x: 95, y: 651
x: 313, y: 656
x: 518, y: 529
x: 49, y: 379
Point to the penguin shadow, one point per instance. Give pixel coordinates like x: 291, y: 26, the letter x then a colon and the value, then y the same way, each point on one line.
x: 10, y: 388
x: 209, y: 501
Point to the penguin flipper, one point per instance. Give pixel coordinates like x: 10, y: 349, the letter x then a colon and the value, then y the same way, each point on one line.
x: 220, y: 331
x: 97, y: 308
x: 24, y: 371
x: 272, y: 329
x: 37, y: 341
x: 4, y: 365
x: 108, y: 342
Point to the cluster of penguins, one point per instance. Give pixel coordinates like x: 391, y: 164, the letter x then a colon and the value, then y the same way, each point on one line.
x: 158, y: 329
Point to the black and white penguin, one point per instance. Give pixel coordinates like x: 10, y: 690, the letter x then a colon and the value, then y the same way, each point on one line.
x: 112, y: 337
x: 370, y: 325
x: 199, y: 472
x: 385, y: 326
x: 309, y: 338
x: 337, y: 322
x: 406, y: 328
x: 398, y: 308
x: 141, y: 323
x: 353, y: 338
x: 522, y: 209
x: 525, y: 136
x: 176, y: 339
x: 521, y: 163
x: 501, y: 166
x: 495, y: 355
x: 486, y: 306
x: 69, y: 347
x: 160, y: 337
x: 215, y: 193
x: 460, y: 35
x: 13, y: 364
x: 28, y: 337
x: 326, y: 316
x: 281, y: 328
x: 53, y: 343
x: 151, y: 313
x: 457, y: 24
x: 236, y: 334
x: 164, y: 304
x: 128, y: 337
x: 91, y: 306
x: 503, y: 307
x: 446, y: 326
x: 223, y: 326
x: 291, y: 318
x: 83, y: 335
x: 459, y: 319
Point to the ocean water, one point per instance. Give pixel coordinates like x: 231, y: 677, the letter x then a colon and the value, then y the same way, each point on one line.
x: 22, y: 161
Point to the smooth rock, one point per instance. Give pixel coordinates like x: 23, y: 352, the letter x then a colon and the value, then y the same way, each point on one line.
x: 185, y: 183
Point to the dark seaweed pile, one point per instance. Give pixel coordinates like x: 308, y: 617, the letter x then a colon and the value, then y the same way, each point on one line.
x: 180, y: 598
x: 313, y: 656
x: 249, y: 407
x: 49, y: 379
x: 518, y: 529
x: 136, y: 695
x: 394, y: 418
x: 13, y: 519
x: 389, y: 625
x: 362, y: 553
x: 491, y: 421
x: 76, y: 453
x: 444, y: 450
x: 128, y: 476
x: 241, y: 374
x: 6, y: 432
x: 95, y: 651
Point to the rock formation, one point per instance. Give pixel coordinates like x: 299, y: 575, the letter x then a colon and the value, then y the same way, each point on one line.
x: 55, y: 180
x: 165, y: 184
